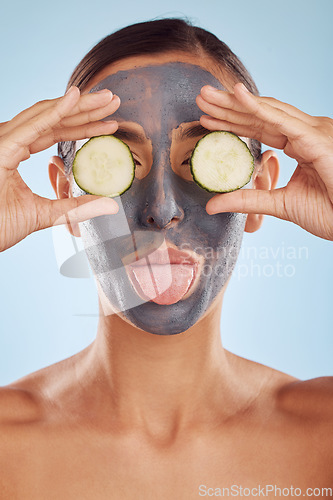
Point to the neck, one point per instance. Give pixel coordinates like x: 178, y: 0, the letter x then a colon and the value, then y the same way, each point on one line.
x: 161, y: 384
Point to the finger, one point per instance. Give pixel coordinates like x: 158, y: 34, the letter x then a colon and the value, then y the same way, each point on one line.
x: 248, y: 123
x: 91, y: 115
x: 274, y: 141
x: 27, y: 133
x: 291, y: 110
x: 85, y: 131
x: 27, y: 114
x: 244, y: 124
x: 93, y: 100
x: 308, y: 142
x: 250, y: 120
x: 225, y: 113
x: 249, y: 201
x: 74, y: 210
x: 14, y: 146
x: 228, y: 100
x: 278, y: 119
x: 220, y: 98
x: 86, y: 102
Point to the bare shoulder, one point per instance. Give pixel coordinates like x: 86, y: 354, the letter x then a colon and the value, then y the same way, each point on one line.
x: 297, y: 417
x: 304, y: 409
x: 308, y: 399
x: 30, y: 398
x: 312, y: 399
x: 18, y: 405
x: 21, y: 413
x: 28, y: 413
x: 29, y: 422
x: 285, y: 394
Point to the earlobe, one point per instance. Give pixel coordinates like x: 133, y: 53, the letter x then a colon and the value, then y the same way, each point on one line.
x: 62, y: 187
x: 265, y: 177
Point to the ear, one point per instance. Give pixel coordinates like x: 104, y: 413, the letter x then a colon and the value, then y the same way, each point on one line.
x: 265, y: 177
x: 62, y: 187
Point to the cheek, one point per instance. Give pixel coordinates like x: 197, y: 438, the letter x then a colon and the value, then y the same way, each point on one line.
x: 220, y: 236
x: 221, y: 252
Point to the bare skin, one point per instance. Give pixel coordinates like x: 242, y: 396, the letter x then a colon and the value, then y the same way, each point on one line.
x: 136, y: 415
x: 183, y: 414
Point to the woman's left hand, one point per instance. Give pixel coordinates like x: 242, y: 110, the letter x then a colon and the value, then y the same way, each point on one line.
x: 307, y: 199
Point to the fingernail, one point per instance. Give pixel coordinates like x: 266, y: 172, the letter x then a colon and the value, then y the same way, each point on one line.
x: 244, y: 88
x: 103, y: 91
x: 109, y: 121
x: 70, y: 90
x: 210, y: 210
x: 211, y: 89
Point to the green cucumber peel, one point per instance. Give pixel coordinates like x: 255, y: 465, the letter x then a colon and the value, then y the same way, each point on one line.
x: 221, y: 162
x: 104, y: 166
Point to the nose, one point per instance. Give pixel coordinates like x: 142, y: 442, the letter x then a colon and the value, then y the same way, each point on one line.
x: 162, y: 214
x: 161, y: 209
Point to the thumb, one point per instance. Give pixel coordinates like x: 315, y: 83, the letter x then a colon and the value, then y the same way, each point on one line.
x: 249, y: 201
x: 73, y: 210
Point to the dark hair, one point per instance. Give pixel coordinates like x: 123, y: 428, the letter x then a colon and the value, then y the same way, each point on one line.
x: 156, y: 37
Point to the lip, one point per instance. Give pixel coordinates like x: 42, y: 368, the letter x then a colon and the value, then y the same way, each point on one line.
x: 170, y: 255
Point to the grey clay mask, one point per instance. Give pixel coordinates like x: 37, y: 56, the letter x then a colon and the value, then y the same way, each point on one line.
x: 161, y: 205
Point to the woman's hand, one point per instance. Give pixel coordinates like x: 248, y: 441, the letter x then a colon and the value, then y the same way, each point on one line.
x: 68, y: 118
x: 307, y: 199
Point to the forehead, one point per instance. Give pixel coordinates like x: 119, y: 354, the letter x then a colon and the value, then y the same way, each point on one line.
x: 164, y: 92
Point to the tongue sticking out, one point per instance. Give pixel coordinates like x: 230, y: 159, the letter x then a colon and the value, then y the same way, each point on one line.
x: 163, y: 283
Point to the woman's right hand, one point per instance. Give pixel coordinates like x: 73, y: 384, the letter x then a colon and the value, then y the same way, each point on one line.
x: 68, y: 118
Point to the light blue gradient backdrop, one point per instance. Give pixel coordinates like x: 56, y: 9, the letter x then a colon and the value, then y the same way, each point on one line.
x: 284, y: 322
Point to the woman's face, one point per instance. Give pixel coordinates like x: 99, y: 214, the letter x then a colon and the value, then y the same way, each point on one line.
x: 162, y: 260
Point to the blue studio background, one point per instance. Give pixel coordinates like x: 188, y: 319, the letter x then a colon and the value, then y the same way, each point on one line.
x: 277, y: 308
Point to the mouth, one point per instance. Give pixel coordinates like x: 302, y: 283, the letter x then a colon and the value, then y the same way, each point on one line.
x: 164, y: 276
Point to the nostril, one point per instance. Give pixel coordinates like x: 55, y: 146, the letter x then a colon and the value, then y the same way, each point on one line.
x: 150, y: 220
x: 174, y: 220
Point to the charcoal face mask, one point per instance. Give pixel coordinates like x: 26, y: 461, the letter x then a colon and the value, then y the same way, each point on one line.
x: 161, y: 207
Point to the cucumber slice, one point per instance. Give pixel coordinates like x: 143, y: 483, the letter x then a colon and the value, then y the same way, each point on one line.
x: 221, y: 162
x: 104, y: 166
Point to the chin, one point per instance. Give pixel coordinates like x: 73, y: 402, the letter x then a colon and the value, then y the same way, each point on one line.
x: 175, y: 318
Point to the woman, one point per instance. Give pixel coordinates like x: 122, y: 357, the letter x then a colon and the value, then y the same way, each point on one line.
x: 156, y: 407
